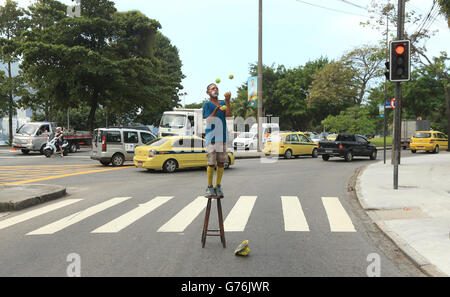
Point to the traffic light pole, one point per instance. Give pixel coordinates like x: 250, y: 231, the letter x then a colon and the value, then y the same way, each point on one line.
x: 260, y: 78
x: 398, y: 99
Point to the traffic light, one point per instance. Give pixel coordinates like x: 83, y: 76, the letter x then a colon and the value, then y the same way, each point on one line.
x: 400, y: 60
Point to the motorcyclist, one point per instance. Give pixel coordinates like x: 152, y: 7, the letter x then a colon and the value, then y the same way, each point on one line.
x: 59, y: 139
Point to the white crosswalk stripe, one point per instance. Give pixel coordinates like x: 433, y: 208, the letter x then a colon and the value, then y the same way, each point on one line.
x: 294, y: 218
x: 36, y: 212
x: 236, y: 221
x: 185, y: 217
x: 337, y: 216
x: 132, y: 216
x: 238, y: 217
x: 77, y: 217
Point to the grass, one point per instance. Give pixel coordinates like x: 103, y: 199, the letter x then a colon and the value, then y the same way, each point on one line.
x: 380, y: 141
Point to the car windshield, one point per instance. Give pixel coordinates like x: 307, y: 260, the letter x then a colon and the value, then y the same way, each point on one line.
x: 157, y: 142
x: 27, y: 129
x: 422, y: 135
x: 246, y: 135
x: 173, y: 121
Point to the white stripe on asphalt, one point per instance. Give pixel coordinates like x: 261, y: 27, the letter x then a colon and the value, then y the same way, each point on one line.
x: 337, y: 216
x: 77, y: 217
x: 132, y: 216
x: 183, y: 218
x: 294, y: 218
x: 34, y: 213
x: 238, y: 217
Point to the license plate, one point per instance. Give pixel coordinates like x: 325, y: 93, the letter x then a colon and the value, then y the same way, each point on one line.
x: 420, y: 147
x: 328, y: 151
x: 19, y: 145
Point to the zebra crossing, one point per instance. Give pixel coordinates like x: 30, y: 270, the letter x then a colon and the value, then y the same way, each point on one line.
x: 236, y: 220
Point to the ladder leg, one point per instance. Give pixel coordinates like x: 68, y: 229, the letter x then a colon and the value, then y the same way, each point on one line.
x: 205, y: 223
x: 222, y: 232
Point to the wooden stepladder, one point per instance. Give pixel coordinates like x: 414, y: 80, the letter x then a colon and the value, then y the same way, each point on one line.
x: 206, y: 222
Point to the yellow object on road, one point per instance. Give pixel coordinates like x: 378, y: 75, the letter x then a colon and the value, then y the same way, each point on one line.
x: 242, y: 249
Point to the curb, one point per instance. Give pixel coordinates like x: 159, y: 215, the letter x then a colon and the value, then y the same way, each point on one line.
x: 31, y: 201
x: 421, y: 262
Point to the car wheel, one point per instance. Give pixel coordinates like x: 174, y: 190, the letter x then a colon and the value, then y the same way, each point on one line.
x: 325, y: 157
x: 117, y: 160
x: 170, y: 166
x: 105, y: 163
x: 25, y: 152
x: 373, y: 156
x: 315, y: 153
x: 436, y: 149
x: 288, y: 154
x: 413, y: 151
x: 348, y: 156
x: 41, y: 150
x: 73, y: 148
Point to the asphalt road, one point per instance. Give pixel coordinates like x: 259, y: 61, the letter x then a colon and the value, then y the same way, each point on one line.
x: 130, y: 222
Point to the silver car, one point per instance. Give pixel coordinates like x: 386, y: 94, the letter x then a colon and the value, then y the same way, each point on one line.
x: 116, y: 145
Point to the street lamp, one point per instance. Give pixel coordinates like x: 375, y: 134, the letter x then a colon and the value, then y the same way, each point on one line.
x: 184, y: 98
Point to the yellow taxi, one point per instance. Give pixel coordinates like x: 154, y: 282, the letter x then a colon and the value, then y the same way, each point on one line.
x: 173, y: 152
x: 432, y: 141
x: 290, y: 144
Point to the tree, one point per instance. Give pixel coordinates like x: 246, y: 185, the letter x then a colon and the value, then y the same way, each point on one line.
x: 12, y: 25
x: 445, y: 9
x: 354, y: 120
x: 103, y: 58
x: 334, y: 86
x: 367, y: 63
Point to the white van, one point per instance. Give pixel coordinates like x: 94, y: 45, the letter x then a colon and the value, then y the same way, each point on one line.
x: 116, y: 145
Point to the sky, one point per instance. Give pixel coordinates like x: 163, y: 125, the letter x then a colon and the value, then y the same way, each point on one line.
x: 216, y: 38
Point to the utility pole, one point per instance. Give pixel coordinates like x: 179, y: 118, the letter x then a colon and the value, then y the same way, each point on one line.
x: 398, y: 100
x: 385, y: 88
x: 260, y: 77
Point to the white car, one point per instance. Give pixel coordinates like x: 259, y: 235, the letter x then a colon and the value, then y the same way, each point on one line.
x: 246, y: 141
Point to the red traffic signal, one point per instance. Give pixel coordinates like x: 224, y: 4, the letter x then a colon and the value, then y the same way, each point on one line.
x: 400, y: 49
x: 400, y: 60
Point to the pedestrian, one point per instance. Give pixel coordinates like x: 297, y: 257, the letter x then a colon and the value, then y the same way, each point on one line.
x: 215, y: 112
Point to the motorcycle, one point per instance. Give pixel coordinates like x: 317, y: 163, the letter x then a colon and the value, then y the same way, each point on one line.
x: 51, y: 148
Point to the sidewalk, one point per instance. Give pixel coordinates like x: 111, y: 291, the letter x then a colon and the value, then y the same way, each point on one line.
x: 416, y: 216
x: 17, y: 197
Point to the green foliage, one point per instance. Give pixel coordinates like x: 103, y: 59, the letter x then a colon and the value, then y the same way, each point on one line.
x: 117, y: 60
x: 355, y: 120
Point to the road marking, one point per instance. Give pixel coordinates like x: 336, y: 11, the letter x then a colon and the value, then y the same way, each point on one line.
x: 239, y: 215
x: 132, y: 216
x: 34, y: 213
x: 337, y: 216
x: 185, y: 217
x: 77, y: 217
x: 294, y: 218
x: 62, y: 175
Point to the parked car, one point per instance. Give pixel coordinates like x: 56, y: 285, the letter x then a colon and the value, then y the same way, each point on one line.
x: 347, y: 146
x: 431, y: 141
x: 246, y: 141
x: 290, y: 144
x: 331, y: 137
x: 117, y: 145
x: 172, y: 152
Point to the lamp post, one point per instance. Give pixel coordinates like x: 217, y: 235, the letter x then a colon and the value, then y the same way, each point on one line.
x: 184, y: 98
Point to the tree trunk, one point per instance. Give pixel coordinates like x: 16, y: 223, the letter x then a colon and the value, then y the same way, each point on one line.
x: 91, y: 118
